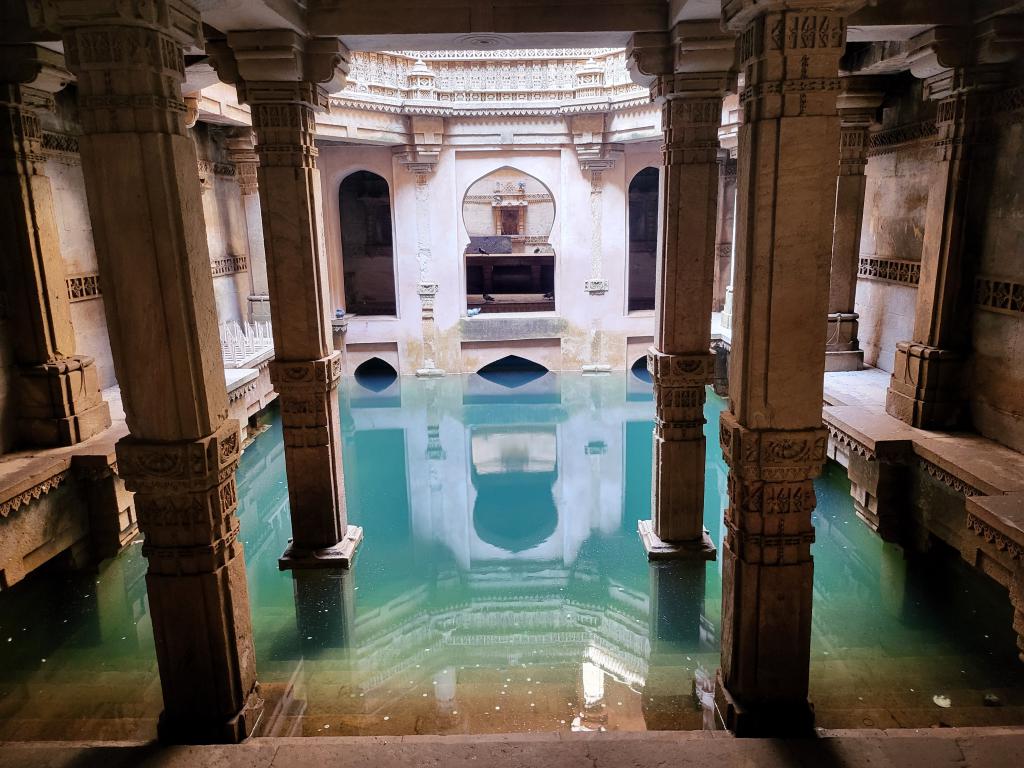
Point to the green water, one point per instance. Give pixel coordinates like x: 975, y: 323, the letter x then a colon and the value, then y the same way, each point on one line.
x: 501, y: 586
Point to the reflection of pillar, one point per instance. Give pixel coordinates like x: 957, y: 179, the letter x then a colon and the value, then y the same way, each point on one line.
x: 325, y: 607
x: 680, y: 362
x: 59, y: 400
x: 279, y: 74
x: 856, y: 111
x: 181, y: 455
x: 674, y: 627
x: 772, y: 437
x: 243, y: 154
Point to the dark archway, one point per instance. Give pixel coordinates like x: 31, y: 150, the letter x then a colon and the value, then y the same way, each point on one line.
x: 639, y: 369
x: 643, y: 239
x: 375, y: 374
x: 512, y: 371
x: 367, y: 251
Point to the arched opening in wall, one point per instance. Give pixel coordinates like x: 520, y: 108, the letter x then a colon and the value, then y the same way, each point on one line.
x: 367, y: 250
x: 512, y: 371
x: 375, y: 374
x: 639, y: 369
x: 643, y: 239
x: 510, y: 264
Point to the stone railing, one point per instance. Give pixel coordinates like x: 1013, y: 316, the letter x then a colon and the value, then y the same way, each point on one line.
x: 246, y: 347
x: 890, y: 270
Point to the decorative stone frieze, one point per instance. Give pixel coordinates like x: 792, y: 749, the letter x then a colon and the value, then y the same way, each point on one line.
x: 1004, y: 296
x: 24, y: 498
x: 901, y: 271
x: 84, y: 287
x: 901, y: 137
x: 62, y: 147
x: 948, y: 479
x: 229, y: 265
x: 998, y: 539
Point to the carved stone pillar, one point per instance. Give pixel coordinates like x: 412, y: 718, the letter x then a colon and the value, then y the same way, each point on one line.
x: 926, y: 388
x: 421, y: 159
x: 59, y: 400
x: 689, y: 70
x: 144, y: 203
x: 771, y: 436
x: 279, y: 74
x: 724, y: 228
x: 243, y: 154
x: 857, y: 112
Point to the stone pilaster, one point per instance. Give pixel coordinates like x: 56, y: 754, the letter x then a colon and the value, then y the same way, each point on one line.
x: 927, y: 386
x: 284, y: 78
x: 689, y: 72
x: 857, y: 111
x: 242, y: 153
x: 420, y: 159
x: 772, y: 437
x: 59, y: 400
x: 181, y: 455
x: 724, y: 228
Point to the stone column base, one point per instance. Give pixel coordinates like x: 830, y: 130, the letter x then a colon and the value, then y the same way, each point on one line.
x: 341, y: 555
x: 842, y: 349
x: 233, y: 730
x: 925, y: 388
x: 60, y: 402
x: 776, y: 719
x: 657, y: 549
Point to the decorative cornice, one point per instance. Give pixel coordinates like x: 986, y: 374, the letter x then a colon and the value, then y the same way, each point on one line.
x: 229, y: 265
x: 34, y: 493
x: 948, y: 479
x: 901, y: 137
x: 84, y: 286
x: 1001, y: 542
x: 890, y: 270
x: 995, y: 295
x: 851, y: 444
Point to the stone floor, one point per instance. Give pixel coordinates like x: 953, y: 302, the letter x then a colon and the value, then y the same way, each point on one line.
x: 864, y: 387
x: 963, y: 748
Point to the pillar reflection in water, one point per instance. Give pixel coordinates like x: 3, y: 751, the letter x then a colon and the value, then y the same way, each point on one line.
x: 325, y: 608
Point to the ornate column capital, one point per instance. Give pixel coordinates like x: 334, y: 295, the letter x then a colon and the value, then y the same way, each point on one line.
x: 693, y: 58
x: 737, y: 14
x: 242, y: 152
x: 178, y: 19
x: 29, y: 76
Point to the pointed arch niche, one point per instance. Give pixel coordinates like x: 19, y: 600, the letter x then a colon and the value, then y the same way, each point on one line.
x: 367, y: 249
x: 643, y: 239
x: 510, y: 263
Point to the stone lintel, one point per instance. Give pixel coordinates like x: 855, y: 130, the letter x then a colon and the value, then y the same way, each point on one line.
x: 657, y: 549
x: 177, y: 18
x: 341, y: 555
x: 737, y: 14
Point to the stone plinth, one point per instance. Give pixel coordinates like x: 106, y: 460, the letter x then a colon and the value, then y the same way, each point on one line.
x: 926, y: 390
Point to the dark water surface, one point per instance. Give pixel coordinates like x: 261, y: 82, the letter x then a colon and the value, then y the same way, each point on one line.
x: 501, y: 586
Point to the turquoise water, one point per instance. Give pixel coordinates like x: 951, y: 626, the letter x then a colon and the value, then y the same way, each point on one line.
x: 501, y: 586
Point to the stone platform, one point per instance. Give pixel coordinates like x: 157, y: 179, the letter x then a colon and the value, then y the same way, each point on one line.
x: 963, y: 748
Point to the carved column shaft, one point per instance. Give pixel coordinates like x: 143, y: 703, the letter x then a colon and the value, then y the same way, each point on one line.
x: 772, y: 438
x: 58, y: 391
x: 926, y: 386
x: 692, y: 75
x: 724, y: 228
x: 162, y: 319
x: 243, y: 154
x: 279, y: 74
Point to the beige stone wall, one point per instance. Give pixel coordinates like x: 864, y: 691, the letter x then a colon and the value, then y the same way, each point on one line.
x: 997, y: 382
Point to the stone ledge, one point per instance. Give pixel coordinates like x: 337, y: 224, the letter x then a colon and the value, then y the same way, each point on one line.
x: 1000, y: 521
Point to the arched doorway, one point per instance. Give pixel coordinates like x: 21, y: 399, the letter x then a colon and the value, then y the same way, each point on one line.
x: 643, y: 239
x: 367, y: 251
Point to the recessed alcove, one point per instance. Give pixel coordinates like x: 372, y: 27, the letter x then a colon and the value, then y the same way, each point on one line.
x: 512, y: 371
x: 375, y: 374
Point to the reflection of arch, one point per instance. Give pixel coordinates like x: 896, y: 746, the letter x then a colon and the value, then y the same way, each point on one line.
x: 639, y: 369
x: 364, y: 203
x: 510, y: 264
x: 512, y: 371
x: 375, y: 374
x: 643, y: 238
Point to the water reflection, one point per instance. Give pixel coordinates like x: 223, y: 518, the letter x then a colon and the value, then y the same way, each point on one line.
x: 502, y: 587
